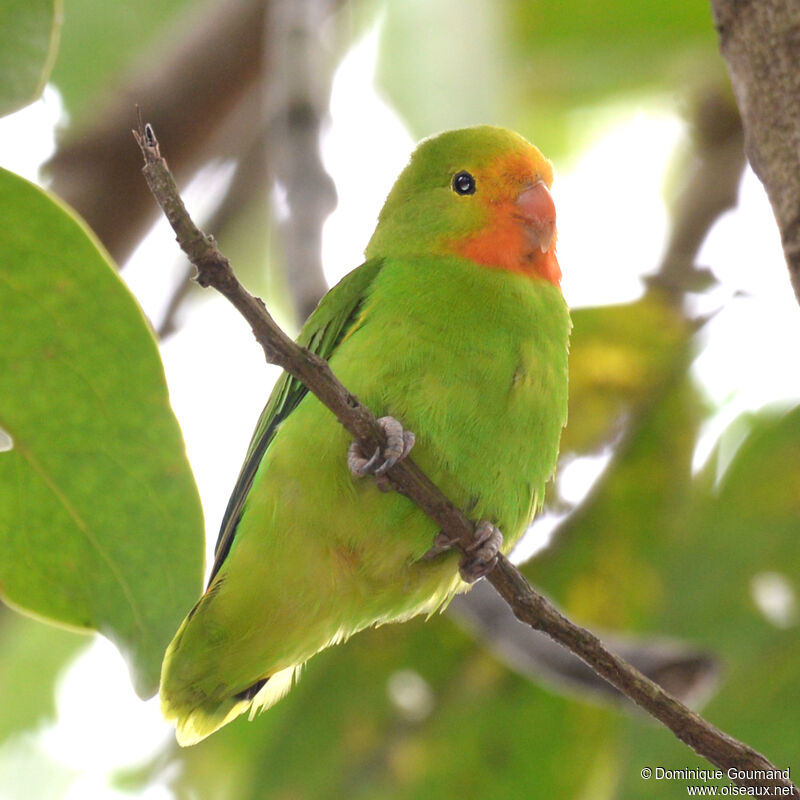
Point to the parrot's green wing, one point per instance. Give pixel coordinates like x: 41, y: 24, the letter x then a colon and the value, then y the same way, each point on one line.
x: 322, y: 332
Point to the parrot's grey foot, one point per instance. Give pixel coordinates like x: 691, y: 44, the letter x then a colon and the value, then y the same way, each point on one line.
x: 481, y: 555
x: 398, y: 445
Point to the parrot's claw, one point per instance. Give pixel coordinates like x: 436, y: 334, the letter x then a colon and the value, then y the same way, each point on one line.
x: 398, y: 445
x: 481, y: 555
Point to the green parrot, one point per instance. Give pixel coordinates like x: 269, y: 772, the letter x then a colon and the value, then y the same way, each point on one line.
x: 454, y: 326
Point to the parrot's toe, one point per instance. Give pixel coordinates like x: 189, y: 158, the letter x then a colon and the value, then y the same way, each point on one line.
x: 398, y: 445
x: 481, y: 555
x: 442, y: 543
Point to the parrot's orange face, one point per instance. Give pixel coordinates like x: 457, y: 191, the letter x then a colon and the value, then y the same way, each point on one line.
x: 481, y: 194
x: 520, y: 230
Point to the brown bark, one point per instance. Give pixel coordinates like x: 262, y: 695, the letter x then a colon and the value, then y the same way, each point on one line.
x: 760, y: 41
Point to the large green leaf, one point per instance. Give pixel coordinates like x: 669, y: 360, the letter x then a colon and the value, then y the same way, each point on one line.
x: 100, y: 522
x: 28, y: 42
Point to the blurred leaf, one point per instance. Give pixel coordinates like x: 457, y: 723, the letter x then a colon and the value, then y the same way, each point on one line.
x: 31, y: 657
x: 529, y: 65
x: 620, y: 358
x: 605, y: 565
x: 655, y: 549
x: 576, y: 54
x: 28, y: 42
x: 735, y: 536
x: 116, y: 35
x: 582, y: 49
x: 100, y: 523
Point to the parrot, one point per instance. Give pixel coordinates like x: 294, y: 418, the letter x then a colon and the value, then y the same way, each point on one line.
x: 455, y: 332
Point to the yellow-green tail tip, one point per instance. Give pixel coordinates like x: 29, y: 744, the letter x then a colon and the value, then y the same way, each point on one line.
x: 196, y: 723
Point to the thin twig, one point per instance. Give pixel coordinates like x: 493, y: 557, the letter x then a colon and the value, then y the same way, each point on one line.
x: 214, y: 270
x: 248, y: 184
x: 683, y: 670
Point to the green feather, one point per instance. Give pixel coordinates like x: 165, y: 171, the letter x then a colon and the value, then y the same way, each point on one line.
x: 323, y: 330
x: 472, y: 359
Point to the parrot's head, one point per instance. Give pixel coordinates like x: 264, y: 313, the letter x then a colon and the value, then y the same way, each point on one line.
x: 481, y: 193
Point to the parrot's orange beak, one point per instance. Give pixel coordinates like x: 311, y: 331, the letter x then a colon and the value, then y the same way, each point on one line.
x: 536, y: 210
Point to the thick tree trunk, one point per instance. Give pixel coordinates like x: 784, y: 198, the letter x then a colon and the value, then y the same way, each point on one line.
x: 760, y: 41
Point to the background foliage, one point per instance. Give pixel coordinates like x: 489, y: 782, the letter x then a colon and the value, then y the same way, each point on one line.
x: 657, y: 550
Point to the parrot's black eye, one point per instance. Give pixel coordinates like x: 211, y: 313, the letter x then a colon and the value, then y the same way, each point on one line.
x: 463, y: 183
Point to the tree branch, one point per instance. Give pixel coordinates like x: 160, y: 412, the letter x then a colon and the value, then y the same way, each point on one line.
x: 250, y: 181
x: 214, y: 270
x: 760, y: 42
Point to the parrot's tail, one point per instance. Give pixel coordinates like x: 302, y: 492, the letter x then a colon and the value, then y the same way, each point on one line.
x: 195, y: 724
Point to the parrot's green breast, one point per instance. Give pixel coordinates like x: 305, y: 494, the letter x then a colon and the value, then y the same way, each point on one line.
x: 474, y: 362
